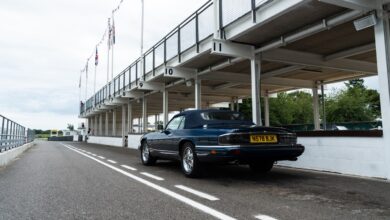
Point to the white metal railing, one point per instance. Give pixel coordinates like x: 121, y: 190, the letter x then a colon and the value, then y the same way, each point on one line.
x: 188, y: 34
x: 13, y: 134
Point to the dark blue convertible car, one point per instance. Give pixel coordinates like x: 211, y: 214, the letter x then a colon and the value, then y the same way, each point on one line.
x: 197, y: 137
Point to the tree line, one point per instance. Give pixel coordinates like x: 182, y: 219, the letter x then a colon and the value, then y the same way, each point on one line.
x: 355, y: 103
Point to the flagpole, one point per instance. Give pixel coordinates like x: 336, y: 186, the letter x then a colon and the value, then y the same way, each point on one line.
x: 108, y: 52
x: 112, y: 62
x: 86, y: 83
x: 80, y: 87
x: 94, y: 81
x: 112, y: 47
x: 142, y: 39
x: 142, y: 26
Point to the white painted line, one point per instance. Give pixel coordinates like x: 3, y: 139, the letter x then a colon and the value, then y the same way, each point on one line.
x: 101, y: 157
x: 111, y: 161
x: 89, y: 152
x: 188, y: 201
x: 198, y: 193
x: 128, y: 167
x: 152, y: 176
x: 265, y: 217
x: 94, y: 155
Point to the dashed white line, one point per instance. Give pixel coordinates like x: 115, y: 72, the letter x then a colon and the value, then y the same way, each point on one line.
x: 111, y: 161
x: 94, y: 155
x: 101, y: 157
x: 188, y: 201
x: 265, y: 217
x: 198, y: 193
x: 128, y: 167
x: 152, y: 176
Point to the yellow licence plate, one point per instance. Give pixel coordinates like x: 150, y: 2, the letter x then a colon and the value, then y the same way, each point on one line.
x: 268, y: 139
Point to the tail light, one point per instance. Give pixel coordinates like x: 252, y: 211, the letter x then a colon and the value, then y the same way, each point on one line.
x: 288, y: 138
x: 232, y: 139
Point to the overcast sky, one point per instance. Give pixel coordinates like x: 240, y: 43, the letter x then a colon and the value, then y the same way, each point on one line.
x: 44, y: 45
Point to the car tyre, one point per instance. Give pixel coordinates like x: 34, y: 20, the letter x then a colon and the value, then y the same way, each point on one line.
x: 261, y: 167
x: 189, y: 161
x: 146, y: 158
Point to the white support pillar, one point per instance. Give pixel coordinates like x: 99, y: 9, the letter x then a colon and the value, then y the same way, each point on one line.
x: 145, y: 115
x: 316, y: 109
x: 87, y: 125
x: 139, y: 125
x: 130, y: 118
x: 255, y: 84
x: 266, y: 109
x: 232, y: 104
x: 238, y: 105
x: 155, y: 122
x: 165, y: 107
x: 96, y: 125
x: 382, y: 36
x: 217, y: 19
x: 124, y: 125
x: 106, y: 125
x: 114, y: 122
x: 198, y: 93
x: 100, y: 125
x: 91, y: 121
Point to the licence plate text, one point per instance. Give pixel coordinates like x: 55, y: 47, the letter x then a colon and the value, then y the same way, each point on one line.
x: 263, y: 139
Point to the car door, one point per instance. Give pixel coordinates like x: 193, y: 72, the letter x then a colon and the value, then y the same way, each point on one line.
x: 176, y: 136
x: 169, y: 137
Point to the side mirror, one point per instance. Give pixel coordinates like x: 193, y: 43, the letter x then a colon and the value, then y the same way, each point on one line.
x: 160, y: 127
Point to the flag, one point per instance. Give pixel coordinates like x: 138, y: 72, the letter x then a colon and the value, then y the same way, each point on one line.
x: 80, y: 81
x: 96, y: 57
x: 113, y: 31
x: 109, y: 34
x: 86, y: 69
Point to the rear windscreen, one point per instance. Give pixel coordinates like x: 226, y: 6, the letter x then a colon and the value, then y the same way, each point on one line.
x: 223, y: 116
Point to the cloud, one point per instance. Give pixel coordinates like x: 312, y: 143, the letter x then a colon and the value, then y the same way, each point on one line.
x: 45, y: 43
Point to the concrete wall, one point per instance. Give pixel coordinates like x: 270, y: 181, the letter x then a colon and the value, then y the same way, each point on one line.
x: 8, y: 156
x: 111, y: 141
x: 133, y: 140
x: 348, y: 155
x: 75, y: 138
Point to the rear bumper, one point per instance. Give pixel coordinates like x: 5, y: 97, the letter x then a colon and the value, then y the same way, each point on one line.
x: 247, y: 154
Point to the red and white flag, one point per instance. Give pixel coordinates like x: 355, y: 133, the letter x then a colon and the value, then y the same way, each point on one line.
x: 96, y: 57
x: 109, y: 34
x: 113, y: 31
x: 80, y: 81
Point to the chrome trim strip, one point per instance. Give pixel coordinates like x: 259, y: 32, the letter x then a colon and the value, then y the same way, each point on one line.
x: 217, y: 146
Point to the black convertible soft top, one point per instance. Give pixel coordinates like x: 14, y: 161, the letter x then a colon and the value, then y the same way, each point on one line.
x: 197, y: 119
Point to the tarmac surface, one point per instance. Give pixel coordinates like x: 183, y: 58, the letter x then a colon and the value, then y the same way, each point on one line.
x: 84, y: 181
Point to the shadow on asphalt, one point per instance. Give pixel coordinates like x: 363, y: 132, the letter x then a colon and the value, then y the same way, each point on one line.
x: 239, y: 173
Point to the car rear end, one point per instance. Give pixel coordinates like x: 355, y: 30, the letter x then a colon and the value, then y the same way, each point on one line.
x: 253, y: 144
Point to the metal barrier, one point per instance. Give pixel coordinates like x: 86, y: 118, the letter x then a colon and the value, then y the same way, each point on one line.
x: 13, y: 134
x: 190, y: 33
